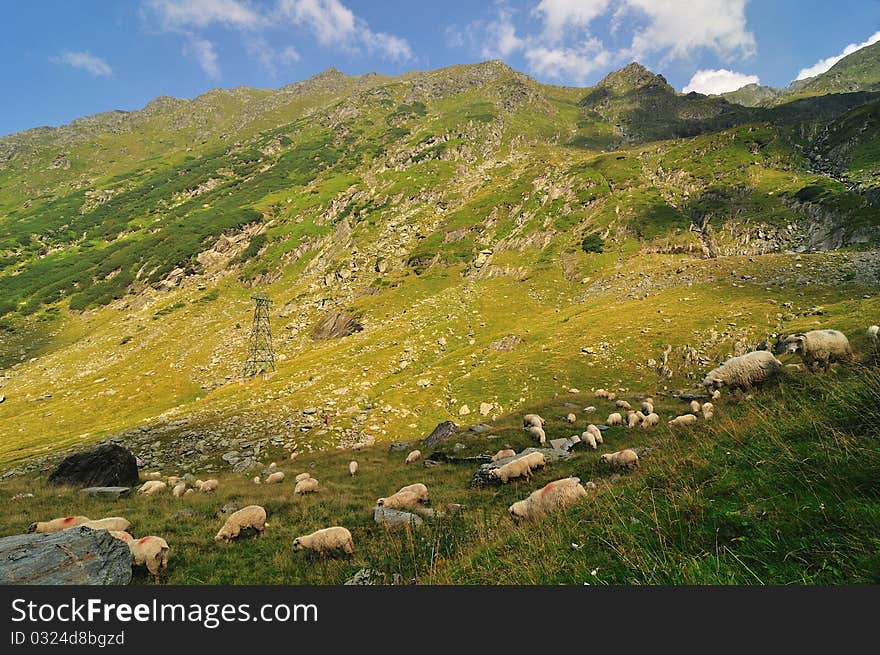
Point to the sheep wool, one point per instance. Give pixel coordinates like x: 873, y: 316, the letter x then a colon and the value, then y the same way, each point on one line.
x: 818, y: 348
x: 683, y: 421
x: 302, y: 476
x: 121, y: 535
x: 571, y: 418
x: 503, y: 454
x: 590, y: 439
x: 352, y: 467
x: 155, y: 475
x: 57, y: 525
x: 152, y: 488
x: 743, y: 372
x: 252, y: 517
x: 651, y: 420
x: 413, y: 456
x: 622, y: 404
x: 179, y: 489
x: 553, y: 497
x: 151, y: 552
x: 632, y: 420
x: 420, y: 490
x: 306, y: 486
x: 400, y: 500
x: 326, y: 541
x: 621, y: 459
x: 874, y: 332
x: 257, y: 480
x: 208, y: 486
x: 530, y: 420
x: 535, y: 460
x: 708, y: 411
x: 601, y: 393
x: 537, y: 433
x: 518, y: 468
x: 695, y: 406
x: 112, y: 523
x: 611, y: 396
x: 614, y: 419
x: 596, y: 432
x: 275, y: 478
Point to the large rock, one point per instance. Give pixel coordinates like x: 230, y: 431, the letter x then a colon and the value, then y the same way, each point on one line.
x: 484, y: 478
x: 442, y: 432
x: 336, y: 325
x: 393, y: 518
x: 79, y: 556
x: 110, y: 493
x: 109, y: 465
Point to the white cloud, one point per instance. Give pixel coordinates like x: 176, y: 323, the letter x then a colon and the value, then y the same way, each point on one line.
x: 334, y: 24
x: 184, y: 14
x: 567, y: 63
x: 270, y: 58
x: 825, y: 64
x: 85, y: 61
x: 205, y: 53
x: 561, y: 15
x: 678, y: 28
x: 715, y: 82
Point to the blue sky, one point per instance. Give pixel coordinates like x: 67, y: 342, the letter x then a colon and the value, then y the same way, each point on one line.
x: 64, y: 59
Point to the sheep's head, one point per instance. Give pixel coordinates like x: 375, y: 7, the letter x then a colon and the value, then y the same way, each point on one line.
x: 32, y: 527
x: 517, y: 511
x: 298, y: 545
x: 793, y: 344
x: 380, y: 502
x: 713, y: 383
x: 605, y: 459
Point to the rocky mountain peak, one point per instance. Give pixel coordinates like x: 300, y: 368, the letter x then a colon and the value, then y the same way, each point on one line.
x: 633, y: 76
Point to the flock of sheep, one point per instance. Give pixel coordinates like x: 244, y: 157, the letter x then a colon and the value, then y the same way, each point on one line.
x: 817, y: 349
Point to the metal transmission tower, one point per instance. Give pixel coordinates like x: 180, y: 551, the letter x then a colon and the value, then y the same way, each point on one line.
x: 260, y: 356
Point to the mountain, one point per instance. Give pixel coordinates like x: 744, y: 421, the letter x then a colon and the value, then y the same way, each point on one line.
x: 451, y: 244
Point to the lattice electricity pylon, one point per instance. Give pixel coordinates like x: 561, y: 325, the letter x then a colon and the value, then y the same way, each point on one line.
x: 260, y: 356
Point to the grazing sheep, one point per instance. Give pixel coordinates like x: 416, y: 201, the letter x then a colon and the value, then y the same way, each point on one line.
x: 641, y: 415
x: 874, y: 332
x: 614, y: 419
x: 302, y: 476
x: 632, y: 420
x: 651, y: 420
x: 419, y: 490
x: 716, y: 395
x: 695, y: 406
x: 818, y: 348
x: 152, y: 488
x: 590, y: 439
x: 601, y: 393
x: 208, y: 486
x: 503, y: 454
x: 533, y: 420
x: 155, y: 475
x: 275, y: 478
x: 743, y: 372
x: 326, y: 541
x: 647, y: 408
x: 252, y: 517
x: 622, y: 404
x: 535, y: 460
x: 596, y: 432
x: 151, y: 552
x: 111, y: 523
x: 555, y: 496
x: 352, y: 468
x: 57, y: 525
x: 173, y: 480
x: 571, y: 418
x: 307, y: 486
x: 621, y: 459
x: 518, y: 468
x: 257, y: 480
x: 683, y: 421
x: 273, y: 466
x: 179, y: 489
x: 400, y: 500
x: 708, y: 411
x: 189, y: 492
x: 537, y: 433
x: 413, y: 456
x: 122, y: 535
x: 612, y: 396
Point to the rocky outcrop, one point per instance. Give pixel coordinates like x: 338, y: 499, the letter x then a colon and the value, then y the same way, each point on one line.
x: 483, y: 476
x: 442, y: 432
x: 108, y: 465
x: 336, y: 325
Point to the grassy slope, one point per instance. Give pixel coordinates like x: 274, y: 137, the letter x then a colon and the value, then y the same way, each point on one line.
x: 781, y: 489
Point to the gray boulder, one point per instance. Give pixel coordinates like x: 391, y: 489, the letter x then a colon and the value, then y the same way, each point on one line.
x: 394, y: 519
x: 108, y: 465
x: 109, y: 493
x: 442, y: 432
x: 79, y: 556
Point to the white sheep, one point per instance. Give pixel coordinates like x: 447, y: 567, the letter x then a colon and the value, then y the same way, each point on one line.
x: 552, y: 497
x: 155, y: 475
x: 535, y: 460
x: 189, y: 492
x: 708, y: 410
x: 274, y: 478
x: 518, y: 468
x: 571, y: 418
x: 302, y: 476
x: 743, y: 372
x: 121, y: 535
x: 57, y: 525
x: 632, y: 420
x: 874, y: 332
x: 648, y: 406
x: 622, y: 404
x: 614, y: 419
x: 173, y: 480
x: 326, y: 541
x: 695, y: 406
x: 111, y: 523
x: 684, y: 420
x: 257, y: 480
x: 537, y: 433
x: 601, y: 393
x: 400, y: 500
x: 626, y: 458
x: 530, y: 420
x: 352, y: 468
x: 651, y: 420
x: 611, y: 396
x: 208, y: 486
x: 503, y: 454
x: 716, y: 395
x: 413, y: 456
x: 590, y: 439
x: 152, y: 488
x: 306, y: 486
x: 818, y: 348
x: 420, y: 490
x: 252, y: 517
x: 596, y: 432
x: 179, y: 489
x: 151, y: 552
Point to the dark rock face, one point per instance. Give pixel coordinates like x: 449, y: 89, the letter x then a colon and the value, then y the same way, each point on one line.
x: 110, y: 493
x: 484, y: 478
x: 442, y: 432
x: 336, y: 325
x: 393, y: 518
x: 79, y: 556
x: 109, y: 465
